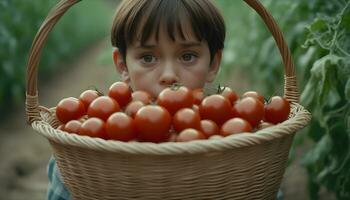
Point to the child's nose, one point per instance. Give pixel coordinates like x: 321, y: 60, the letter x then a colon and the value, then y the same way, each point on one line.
x: 169, y: 75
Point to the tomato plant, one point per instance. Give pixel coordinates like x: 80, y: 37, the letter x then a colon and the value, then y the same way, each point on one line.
x: 120, y: 126
x: 153, y: 123
x: 121, y: 92
x: 277, y: 110
x: 235, y: 125
x: 69, y: 108
x: 102, y: 107
x: 174, y: 98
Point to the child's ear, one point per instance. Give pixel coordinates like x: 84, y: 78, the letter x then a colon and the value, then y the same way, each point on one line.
x: 120, y: 65
x: 214, y: 67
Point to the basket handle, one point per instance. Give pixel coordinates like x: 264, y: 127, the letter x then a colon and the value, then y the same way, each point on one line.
x: 32, y: 101
x: 290, y: 80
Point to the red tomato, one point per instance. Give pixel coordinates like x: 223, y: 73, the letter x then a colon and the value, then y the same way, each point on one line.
x: 186, y: 118
x: 195, y: 107
x: 103, y: 107
x: 153, y: 123
x: 93, y: 127
x: 250, y: 109
x: 175, y: 98
x: 173, y: 136
x: 277, y: 110
x: 132, y: 108
x: 121, y: 92
x: 217, y: 108
x: 61, y: 127
x: 72, y: 126
x: 189, y: 135
x: 215, y: 137
x: 254, y: 94
x: 69, y: 108
x: 142, y: 96
x: 264, y: 125
x: 198, y: 95
x: 235, y: 125
x: 209, y: 128
x: 120, y: 126
x: 229, y: 94
x: 88, y: 96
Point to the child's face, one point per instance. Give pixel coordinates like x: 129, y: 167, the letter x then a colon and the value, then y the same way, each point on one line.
x: 158, y: 65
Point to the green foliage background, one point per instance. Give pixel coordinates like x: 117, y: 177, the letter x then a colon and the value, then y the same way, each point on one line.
x: 83, y: 24
x: 318, y: 33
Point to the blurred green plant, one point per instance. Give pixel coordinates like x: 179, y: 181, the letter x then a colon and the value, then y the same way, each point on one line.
x: 327, y: 95
x: 318, y: 34
x: 83, y: 24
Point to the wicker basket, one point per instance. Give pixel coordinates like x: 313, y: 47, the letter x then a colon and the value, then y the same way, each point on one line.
x: 242, y: 166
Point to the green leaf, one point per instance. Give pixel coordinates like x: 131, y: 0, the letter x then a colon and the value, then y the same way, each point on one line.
x: 307, y: 97
x: 324, y: 72
x: 319, y: 25
x: 347, y: 90
x: 320, y: 150
x: 72, y: 34
x: 345, y: 19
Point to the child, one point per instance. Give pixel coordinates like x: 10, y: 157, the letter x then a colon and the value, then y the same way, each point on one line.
x: 166, y: 42
x: 159, y: 43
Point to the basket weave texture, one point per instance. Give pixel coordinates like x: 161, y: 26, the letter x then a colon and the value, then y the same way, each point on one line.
x: 242, y: 166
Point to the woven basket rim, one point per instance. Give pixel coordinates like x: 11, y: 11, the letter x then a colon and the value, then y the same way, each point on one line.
x: 299, y: 119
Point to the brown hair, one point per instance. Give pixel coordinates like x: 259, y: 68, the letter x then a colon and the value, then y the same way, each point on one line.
x: 145, y: 16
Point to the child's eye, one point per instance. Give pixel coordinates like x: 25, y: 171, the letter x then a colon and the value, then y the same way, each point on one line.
x: 146, y: 59
x: 188, y: 57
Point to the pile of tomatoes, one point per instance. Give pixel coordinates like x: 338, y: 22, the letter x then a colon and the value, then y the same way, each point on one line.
x: 177, y: 114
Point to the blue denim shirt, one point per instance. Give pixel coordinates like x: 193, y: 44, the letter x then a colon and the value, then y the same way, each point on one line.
x: 56, y: 189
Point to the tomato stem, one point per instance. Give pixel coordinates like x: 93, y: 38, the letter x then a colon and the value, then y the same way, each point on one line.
x: 220, y: 89
x: 92, y: 87
x: 175, y: 86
